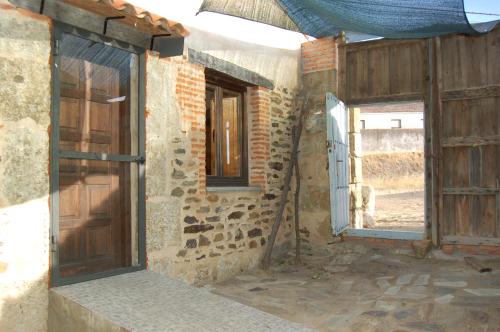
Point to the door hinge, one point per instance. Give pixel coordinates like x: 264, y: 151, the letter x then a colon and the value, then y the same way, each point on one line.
x: 55, y: 50
x: 53, y: 243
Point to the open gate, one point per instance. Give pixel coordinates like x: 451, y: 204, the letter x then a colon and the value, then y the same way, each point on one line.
x: 338, y: 161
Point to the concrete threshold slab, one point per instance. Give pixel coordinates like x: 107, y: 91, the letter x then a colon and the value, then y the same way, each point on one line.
x: 386, y: 234
x: 147, y: 301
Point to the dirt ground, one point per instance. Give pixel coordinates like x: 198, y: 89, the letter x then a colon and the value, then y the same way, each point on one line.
x: 400, y: 211
x: 398, y: 181
x: 349, y: 287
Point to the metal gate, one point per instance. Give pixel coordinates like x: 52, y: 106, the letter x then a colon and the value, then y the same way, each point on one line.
x: 338, y: 161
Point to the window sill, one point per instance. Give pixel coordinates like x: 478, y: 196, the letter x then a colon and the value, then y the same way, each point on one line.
x: 229, y: 189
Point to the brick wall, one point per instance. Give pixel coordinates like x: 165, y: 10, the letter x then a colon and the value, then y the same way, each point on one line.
x: 319, y: 55
x: 258, y: 139
x: 190, y: 90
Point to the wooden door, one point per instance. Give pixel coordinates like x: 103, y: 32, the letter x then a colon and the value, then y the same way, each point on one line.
x: 338, y: 162
x: 92, y: 192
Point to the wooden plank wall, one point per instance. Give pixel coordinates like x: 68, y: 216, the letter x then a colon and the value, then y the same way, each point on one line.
x: 458, y: 77
x: 469, y: 113
x: 382, y: 70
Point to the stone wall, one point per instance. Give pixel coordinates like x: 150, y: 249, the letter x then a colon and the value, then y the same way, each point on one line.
x: 24, y: 162
x: 391, y: 140
x: 192, y: 232
x: 313, y: 157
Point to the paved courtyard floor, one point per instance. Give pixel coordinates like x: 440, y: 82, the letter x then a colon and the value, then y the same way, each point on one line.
x: 350, y: 287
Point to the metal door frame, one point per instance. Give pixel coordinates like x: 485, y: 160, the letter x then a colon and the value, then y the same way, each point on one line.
x: 56, y: 154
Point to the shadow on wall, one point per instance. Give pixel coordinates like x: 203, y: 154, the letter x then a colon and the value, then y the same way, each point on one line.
x: 24, y: 266
x: 24, y: 277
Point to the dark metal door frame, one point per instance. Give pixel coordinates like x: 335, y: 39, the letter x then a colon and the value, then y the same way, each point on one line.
x: 56, y: 154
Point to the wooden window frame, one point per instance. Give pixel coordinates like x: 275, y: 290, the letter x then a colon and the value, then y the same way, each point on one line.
x: 220, y: 84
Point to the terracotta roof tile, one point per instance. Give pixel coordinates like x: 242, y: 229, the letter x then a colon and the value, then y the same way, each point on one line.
x: 134, y: 16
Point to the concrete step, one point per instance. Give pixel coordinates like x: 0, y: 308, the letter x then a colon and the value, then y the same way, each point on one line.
x: 147, y: 301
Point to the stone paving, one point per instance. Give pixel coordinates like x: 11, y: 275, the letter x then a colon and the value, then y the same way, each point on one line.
x: 354, y: 288
x: 149, y: 302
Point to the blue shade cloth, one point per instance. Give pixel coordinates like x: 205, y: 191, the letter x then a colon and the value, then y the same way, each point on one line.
x: 384, y: 18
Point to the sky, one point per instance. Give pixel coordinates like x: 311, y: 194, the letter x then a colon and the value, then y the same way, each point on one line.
x: 184, y: 11
x: 483, y: 6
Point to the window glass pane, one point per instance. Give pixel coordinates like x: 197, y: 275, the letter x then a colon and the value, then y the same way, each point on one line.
x: 231, y: 147
x: 97, y: 216
x: 98, y: 97
x: 211, y: 133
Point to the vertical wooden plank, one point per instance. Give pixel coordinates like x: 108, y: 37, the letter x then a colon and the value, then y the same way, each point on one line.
x: 450, y: 53
x: 358, y: 74
x: 342, y: 79
x: 487, y: 216
x: 464, y: 119
x: 474, y: 166
x: 416, y: 60
x: 497, y: 216
x: 428, y: 142
x: 474, y: 214
x: 400, y: 72
x: 437, y: 177
x: 475, y: 66
x: 378, y: 72
x: 449, y: 215
x: 492, y: 58
x: 461, y: 76
x: 462, y: 215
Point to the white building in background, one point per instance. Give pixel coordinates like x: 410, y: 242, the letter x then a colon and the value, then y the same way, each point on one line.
x: 408, y: 115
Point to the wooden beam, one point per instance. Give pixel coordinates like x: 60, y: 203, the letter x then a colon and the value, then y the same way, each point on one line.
x: 488, y: 241
x: 417, y: 96
x: 471, y: 191
x: 428, y: 140
x: 451, y: 142
x: 89, y: 21
x: 229, y: 68
x: 472, y: 93
x: 342, y: 71
x: 353, y: 47
x: 437, y: 151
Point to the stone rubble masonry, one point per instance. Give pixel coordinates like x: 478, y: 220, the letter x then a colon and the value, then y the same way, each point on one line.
x: 319, y: 55
x: 193, y: 234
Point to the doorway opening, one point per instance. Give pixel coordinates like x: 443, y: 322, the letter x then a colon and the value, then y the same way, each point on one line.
x: 393, y: 176
x: 97, y: 175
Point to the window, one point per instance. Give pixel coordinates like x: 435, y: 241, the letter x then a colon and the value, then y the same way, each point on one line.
x: 395, y: 123
x: 225, y: 132
x: 363, y: 124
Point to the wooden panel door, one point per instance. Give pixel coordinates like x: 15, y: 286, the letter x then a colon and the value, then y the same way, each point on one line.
x: 91, y: 226
x: 467, y: 77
